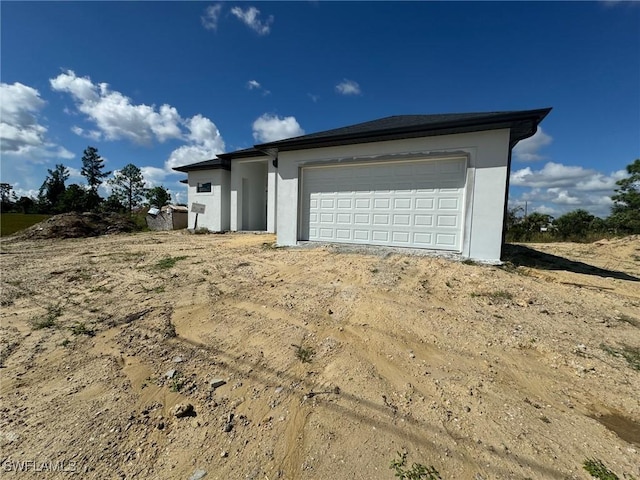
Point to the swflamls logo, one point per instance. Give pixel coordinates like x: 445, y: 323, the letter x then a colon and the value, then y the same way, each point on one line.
x: 10, y: 465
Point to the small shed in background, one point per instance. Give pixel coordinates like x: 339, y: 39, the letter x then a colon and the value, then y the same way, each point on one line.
x: 170, y: 217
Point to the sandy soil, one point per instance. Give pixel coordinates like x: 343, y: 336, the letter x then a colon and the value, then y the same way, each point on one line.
x: 485, y: 372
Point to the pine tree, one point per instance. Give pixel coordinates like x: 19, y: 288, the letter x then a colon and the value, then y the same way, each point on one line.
x: 92, y: 165
x: 53, y: 188
x: 158, y: 196
x: 625, y: 216
x: 128, y: 186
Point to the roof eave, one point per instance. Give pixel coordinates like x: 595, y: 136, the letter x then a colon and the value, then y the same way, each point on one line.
x: 241, y: 154
x: 527, y: 122
x: 224, y: 164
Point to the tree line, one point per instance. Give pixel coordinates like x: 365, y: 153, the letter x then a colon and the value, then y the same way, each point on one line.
x: 128, y: 190
x: 580, y: 225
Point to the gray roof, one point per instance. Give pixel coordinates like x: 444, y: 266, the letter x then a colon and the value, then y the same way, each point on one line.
x: 212, y: 164
x: 244, y: 153
x: 523, y: 124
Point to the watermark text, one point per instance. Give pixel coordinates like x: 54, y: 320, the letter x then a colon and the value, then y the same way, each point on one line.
x: 48, y: 465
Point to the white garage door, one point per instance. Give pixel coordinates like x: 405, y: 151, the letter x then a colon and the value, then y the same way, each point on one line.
x: 403, y: 203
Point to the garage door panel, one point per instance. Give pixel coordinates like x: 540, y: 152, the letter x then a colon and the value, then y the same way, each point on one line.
x: 412, y: 204
x: 402, y: 220
x: 361, y: 219
x: 447, y: 221
x: 381, y: 203
x: 425, y: 203
x: 423, y: 239
x: 423, y: 220
x: 448, y: 203
x: 380, y: 236
x: 343, y: 234
x: 343, y: 218
x: 402, y: 203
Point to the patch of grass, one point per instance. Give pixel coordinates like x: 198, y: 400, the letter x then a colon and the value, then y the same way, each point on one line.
x: 158, y: 289
x: 48, y: 320
x: 304, y: 354
x: 417, y: 471
x: 176, y: 384
x: 168, y: 262
x: 497, y: 295
x: 11, y: 223
x: 468, y: 261
x: 201, y: 231
x: 629, y: 353
x: 127, y: 257
x: 81, y: 328
x: 599, y: 470
x: 500, y: 295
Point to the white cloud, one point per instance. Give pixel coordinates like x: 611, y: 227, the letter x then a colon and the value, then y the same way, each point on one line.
x: 251, y: 18
x: 21, y: 134
x: 314, y: 98
x: 559, y: 175
x: 269, y: 128
x: 61, y: 152
x: 153, y: 176
x: 91, y: 134
x: 114, y: 114
x: 527, y: 150
x: 255, y: 85
x: 117, y: 118
x: 348, y: 87
x: 211, y: 16
x: 556, y: 189
x: 206, y: 142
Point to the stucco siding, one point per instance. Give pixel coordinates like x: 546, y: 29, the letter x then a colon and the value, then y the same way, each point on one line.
x: 248, y: 207
x: 487, y: 154
x: 216, y: 216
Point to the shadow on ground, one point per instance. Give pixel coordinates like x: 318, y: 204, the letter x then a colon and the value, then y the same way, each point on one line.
x: 522, y: 256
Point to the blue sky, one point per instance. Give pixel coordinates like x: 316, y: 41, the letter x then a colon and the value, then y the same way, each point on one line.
x: 162, y: 84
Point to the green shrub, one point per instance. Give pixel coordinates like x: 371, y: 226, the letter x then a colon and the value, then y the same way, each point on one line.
x: 599, y: 470
x: 304, y: 354
x: 81, y: 329
x: 416, y: 472
x: 168, y: 262
x: 48, y: 320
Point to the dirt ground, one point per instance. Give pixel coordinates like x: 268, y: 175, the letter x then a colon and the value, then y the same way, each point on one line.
x: 315, y: 363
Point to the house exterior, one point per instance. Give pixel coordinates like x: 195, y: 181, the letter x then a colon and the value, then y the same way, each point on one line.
x: 438, y: 182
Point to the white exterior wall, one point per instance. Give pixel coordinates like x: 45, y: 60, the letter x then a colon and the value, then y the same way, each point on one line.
x: 487, y: 152
x: 272, y: 189
x: 249, y: 181
x: 216, y: 214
